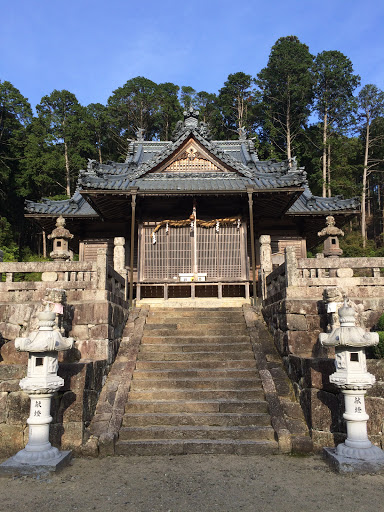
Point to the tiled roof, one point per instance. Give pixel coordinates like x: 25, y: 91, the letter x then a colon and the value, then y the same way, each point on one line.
x: 246, y: 170
x: 307, y: 204
x: 77, y: 206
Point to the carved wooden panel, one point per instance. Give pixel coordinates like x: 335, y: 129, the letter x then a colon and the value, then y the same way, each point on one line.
x: 192, y: 158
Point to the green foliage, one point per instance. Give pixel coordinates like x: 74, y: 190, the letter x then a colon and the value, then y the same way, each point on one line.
x: 236, y: 101
x: 380, y: 323
x: 7, y: 243
x: 187, y: 97
x: 352, y: 245
x: 97, y: 125
x: 378, y: 350
x: 66, y: 135
x: 28, y: 255
x: 169, y: 110
x: 334, y: 87
x: 286, y: 92
x: 131, y: 107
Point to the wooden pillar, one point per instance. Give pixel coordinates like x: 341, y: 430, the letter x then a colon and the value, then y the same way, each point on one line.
x: 133, y: 205
x: 44, y: 244
x: 253, y: 259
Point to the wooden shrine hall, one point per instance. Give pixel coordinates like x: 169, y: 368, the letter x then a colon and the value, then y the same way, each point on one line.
x: 191, y: 212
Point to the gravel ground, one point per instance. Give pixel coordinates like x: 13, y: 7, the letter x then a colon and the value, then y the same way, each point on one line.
x: 194, y: 483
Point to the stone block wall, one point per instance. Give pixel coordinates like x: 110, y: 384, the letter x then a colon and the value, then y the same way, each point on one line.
x: 295, y: 325
x: 72, y: 407
x: 97, y: 327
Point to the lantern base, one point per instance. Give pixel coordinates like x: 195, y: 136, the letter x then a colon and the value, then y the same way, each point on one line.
x: 14, y: 467
x: 374, y: 463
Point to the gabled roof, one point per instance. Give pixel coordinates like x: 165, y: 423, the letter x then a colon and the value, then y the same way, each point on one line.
x: 239, y: 158
x: 146, y: 170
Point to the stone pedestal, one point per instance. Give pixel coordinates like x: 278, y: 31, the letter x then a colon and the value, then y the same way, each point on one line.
x: 41, y: 383
x: 357, y: 453
x: 344, y: 464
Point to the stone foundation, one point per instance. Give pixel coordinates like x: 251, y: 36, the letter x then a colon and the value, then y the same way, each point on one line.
x: 295, y: 325
x: 97, y: 327
x: 72, y: 408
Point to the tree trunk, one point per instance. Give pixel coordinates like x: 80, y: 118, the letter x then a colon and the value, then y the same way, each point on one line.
x: 99, y: 149
x: 288, y: 126
x: 67, y: 172
x: 325, y: 128
x: 329, y: 169
x: 166, y: 129
x: 363, y: 195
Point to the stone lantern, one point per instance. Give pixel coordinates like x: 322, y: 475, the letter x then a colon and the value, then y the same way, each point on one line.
x: 40, y: 384
x: 60, y: 236
x: 357, y: 453
x: 331, y: 243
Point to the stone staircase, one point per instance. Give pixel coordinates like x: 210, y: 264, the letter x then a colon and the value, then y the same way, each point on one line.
x: 196, y: 388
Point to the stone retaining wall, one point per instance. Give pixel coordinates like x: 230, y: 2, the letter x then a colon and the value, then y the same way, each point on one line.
x: 97, y: 327
x: 72, y: 408
x: 295, y: 325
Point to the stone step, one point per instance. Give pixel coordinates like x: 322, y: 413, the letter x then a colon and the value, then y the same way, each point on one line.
x: 194, y: 374
x: 220, y: 384
x: 175, y: 419
x: 184, y: 340
x: 196, y: 446
x: 196, y: 365
x: 193, y: 330
x: 194, y: 356
x: 190, y: 311
x: 198, y: 347
x: 233, y: 318
x: 213, y: 406
x: 196, y: 432
x: 197, y: 395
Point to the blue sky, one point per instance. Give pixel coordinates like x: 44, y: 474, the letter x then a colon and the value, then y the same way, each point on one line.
x: 93, y: 47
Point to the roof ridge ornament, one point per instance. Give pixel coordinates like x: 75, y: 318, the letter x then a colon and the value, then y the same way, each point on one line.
x: 242, y: 133
x: 191, y: 123
x: 140, y: 134
x: 191, y: 118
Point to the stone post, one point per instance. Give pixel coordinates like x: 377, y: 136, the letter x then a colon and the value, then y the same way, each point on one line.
x: 291, y: 270
x: 265, y: 261
x: 102, y: 269
x: 265, y: 254
x: 357, y: 453
x: 40, y: 384
x: 119, y: 255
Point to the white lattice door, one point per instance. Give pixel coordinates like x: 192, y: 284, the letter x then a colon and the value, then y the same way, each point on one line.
x: 219, y: 253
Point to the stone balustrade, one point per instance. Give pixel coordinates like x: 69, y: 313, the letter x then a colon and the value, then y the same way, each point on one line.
x: 307, y: 277
x: 73, y: 276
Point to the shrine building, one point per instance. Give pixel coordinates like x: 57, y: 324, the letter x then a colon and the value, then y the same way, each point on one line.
x: 191, y: 212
